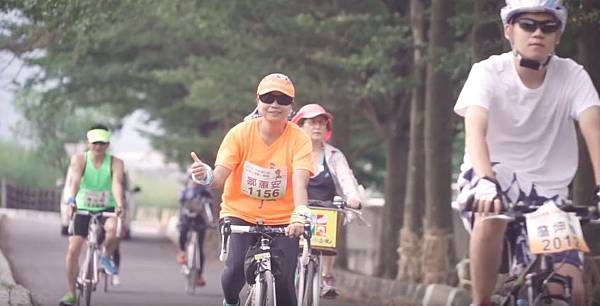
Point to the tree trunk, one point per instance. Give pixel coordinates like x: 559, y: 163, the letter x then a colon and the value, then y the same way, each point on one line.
x: 588, y: 44
x: 438, y: 249
x: 486, y: 35
x: 396, y: 157
x: 409, y: 264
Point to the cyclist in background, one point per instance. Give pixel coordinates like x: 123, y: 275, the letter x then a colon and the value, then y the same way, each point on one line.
x: 191, y: 198
x: 263, y: 166
x: 520, y: 141
x: 333, y: 175
x: 96, y: 185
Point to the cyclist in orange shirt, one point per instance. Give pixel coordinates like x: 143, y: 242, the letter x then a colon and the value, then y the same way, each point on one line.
x: 263, y: 166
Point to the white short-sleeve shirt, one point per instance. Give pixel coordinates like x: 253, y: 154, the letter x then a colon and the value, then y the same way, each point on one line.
x: 531, y: 131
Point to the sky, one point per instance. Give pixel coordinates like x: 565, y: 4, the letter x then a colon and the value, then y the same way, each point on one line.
x: 9, y: 71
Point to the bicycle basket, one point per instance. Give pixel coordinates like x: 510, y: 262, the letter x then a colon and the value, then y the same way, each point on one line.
x: 250, y: 264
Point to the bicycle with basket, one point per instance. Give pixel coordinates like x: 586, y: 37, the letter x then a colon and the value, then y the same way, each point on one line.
x: 328, y: 218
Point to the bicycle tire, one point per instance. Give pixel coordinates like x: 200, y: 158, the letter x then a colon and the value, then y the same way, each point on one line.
x: 308, y: 284
x: 264, y: 290
x: 193, y: 270
x: 88, y: 286
x: 117, y: 258
x: 316, y: 284
x: 250, y: 296
x: 300, y: 282
x: 105, y: 277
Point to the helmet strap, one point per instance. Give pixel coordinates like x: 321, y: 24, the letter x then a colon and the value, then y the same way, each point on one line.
x: 532, y: 64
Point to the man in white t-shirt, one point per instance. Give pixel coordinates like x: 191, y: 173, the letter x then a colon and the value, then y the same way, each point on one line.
x: 520, y: 141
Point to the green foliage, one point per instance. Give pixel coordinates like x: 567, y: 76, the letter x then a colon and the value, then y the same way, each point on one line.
x: 50, y: 125
x: 25, y: 167
x: 193, y: 66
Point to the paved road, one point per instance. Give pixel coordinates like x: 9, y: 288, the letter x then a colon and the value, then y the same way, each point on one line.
x: 149, y: 275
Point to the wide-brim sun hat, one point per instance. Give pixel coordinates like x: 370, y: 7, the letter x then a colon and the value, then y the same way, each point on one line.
x: 276, y: 82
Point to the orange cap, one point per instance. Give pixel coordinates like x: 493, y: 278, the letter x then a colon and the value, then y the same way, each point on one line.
x: 276, y: 82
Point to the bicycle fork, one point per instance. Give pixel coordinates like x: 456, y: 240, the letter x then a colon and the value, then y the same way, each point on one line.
x: 264, y: 265
x: 90, y: 258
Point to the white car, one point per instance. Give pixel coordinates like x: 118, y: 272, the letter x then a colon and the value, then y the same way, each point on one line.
x: 128, y: 202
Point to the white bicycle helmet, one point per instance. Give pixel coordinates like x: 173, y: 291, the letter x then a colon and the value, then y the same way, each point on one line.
x: 516, y: 7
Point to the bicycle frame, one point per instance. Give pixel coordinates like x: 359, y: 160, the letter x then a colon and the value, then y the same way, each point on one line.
x: 540, y: 271
x: 92, y: 252
x: 534, y: 277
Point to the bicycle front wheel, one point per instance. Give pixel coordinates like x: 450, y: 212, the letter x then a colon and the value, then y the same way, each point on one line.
x: 264, y: 290
x: 192, y: 268
x: 312, y: 285
x: 87, y: 286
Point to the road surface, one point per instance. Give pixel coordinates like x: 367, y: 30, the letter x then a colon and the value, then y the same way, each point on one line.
x: 149, y: 273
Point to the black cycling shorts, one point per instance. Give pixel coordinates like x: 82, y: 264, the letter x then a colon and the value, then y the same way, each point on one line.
x: 81, y: 223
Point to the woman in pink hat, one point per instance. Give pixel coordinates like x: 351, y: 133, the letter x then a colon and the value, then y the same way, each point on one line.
x: 332, y: 177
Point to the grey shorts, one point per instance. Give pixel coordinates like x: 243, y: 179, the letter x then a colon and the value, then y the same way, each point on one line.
x: 514, y: 190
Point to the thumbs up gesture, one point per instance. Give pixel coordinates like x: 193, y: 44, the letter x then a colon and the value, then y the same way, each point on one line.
x: 198, y: 168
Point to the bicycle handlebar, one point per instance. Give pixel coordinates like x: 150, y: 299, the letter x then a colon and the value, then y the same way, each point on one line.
x: 516, y: 212
x: 339, y: 204
x: 227, y: 229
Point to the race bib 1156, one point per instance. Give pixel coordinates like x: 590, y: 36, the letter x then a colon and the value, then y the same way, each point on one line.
x: 263, y: 183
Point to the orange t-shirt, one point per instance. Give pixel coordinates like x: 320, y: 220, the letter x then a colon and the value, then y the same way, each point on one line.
x: 260, y: 183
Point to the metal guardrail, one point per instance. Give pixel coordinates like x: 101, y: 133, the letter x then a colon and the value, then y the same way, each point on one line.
x: 14, y: 196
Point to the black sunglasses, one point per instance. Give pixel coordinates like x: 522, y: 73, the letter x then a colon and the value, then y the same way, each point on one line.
x: 269, y: 98
x: 530, y: 25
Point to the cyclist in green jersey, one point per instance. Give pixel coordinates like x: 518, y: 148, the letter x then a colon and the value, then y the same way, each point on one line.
x: 96, y: 185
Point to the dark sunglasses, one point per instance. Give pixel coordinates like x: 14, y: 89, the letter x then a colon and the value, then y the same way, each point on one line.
x: 530, y: 25
x: 100, y: 143
x: 269, y: 98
